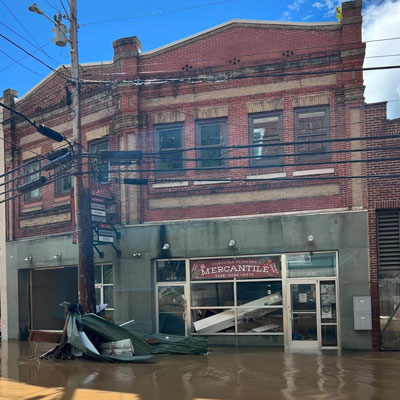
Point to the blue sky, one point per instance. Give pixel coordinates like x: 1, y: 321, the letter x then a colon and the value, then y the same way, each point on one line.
x: 157, y: 22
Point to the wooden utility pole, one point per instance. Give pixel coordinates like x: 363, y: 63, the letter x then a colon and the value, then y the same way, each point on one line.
x: 86, y: 293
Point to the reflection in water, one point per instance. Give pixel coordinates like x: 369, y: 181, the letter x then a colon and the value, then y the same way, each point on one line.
x: 226, y: 373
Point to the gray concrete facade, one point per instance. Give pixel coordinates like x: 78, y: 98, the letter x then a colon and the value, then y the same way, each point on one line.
x: 134, y: 296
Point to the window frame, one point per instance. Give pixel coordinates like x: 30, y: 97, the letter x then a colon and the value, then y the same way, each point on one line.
x: 270, y: 159
x: 157, y: 146
x: 199, y: 152
x: 94, y: 166
x: 301, y: 156
x: 102, y: 285
x: 28, y: 195
x: 59, y: 183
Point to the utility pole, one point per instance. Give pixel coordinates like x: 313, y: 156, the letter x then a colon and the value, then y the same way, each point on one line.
x: 84, y: 233
x: 86, y: 295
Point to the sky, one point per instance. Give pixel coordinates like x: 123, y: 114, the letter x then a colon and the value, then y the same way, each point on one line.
x: 158, y: 22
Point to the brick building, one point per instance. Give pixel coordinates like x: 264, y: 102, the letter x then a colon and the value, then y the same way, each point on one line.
x: 248, y: 231
x: 383, y: 225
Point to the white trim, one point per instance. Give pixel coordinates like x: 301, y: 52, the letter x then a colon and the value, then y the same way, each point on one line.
x: 169, y: 184
x: 322, y: 171
x: 196, y: 183
x: 267, y: 176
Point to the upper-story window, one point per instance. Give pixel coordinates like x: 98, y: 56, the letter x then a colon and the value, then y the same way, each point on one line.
x: 32, y: 172
x: 311, y: 125
x: 169, y: 145
x: 265, y: 130
x: 211, y: 136
x: 100, y: 168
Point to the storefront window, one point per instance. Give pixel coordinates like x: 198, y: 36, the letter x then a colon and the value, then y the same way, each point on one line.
x: 261, y: 293
x: 309, y: 265
x: 249, y: 300
x: 212, y: 294
x: 259, y: 320
x: 171, y: 271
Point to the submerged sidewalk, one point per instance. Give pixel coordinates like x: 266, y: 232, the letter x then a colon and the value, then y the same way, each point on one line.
x: 225, y: 373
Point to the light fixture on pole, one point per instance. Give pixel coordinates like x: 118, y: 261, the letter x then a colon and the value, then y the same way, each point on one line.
x: 60, y: 30
x: 166, y: 246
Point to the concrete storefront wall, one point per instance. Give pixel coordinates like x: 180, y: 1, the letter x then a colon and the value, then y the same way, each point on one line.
x: 134, y: 298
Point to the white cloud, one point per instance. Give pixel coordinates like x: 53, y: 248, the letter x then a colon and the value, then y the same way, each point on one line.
x: 327, y: 5
x: 295, y: 6
x: 381, y: 21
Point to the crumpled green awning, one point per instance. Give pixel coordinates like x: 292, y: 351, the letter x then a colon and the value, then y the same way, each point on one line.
x: 108, y: 332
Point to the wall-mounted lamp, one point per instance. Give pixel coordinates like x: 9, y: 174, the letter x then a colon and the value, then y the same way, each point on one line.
x: 28, y: 258
x: 137, y: 255
x: 232, y: 243
x: 166, y: 246
x: 57, y: 256
x: 310, y: 238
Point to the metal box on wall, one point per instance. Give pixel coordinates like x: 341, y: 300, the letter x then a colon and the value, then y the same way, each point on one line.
x: 362, y: 313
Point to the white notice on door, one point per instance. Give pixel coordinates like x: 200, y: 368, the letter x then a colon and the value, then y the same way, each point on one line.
x: 302, y: 297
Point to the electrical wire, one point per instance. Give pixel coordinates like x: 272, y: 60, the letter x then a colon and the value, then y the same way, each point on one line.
x: 36, y: 45
x: 34, y: 57
x: 155, y: 13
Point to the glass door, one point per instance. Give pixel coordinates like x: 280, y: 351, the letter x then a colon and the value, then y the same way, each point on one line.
x: 171, y: 309
x: 312, y: 314
x: 303, y: 315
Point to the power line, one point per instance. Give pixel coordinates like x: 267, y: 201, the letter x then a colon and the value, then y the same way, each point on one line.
x: 226, y: 76
x: 36, y: 45
x: 19, y: 63
x: 155, y: 13
x: 34, y: 57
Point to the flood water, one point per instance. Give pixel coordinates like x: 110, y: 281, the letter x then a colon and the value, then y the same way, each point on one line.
x: 225, y: 373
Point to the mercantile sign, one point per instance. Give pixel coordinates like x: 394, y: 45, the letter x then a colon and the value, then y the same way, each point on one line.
x: 228, y: 268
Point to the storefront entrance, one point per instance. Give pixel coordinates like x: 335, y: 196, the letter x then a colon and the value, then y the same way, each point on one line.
x: 312, y: 317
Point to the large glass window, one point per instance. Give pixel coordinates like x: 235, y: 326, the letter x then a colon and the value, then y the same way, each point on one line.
x: 240, y: 295
x: 104, y: 287
x: 307, y: 265
x: 32, y: 172
x: 100, y: 168
x: 211, y: 136
x: 266, y: 130
x: 169, y: 145
x: 311, y: 126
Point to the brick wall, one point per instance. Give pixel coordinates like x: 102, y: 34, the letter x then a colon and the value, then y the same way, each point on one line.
x: 383, y: 193
x: 250, y: 53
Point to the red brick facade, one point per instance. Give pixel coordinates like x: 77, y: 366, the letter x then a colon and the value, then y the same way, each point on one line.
x: 259, y: 65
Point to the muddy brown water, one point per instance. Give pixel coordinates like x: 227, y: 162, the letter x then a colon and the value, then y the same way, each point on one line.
x: 225, y: 373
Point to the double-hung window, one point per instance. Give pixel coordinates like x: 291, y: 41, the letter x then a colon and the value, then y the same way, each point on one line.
x: 265, y: 135
x: 211, y: 136
x: 100, y: 168
x: 169, y: 145
x: 64, y: 182
x: 312, y: 127
x: 32, y: 172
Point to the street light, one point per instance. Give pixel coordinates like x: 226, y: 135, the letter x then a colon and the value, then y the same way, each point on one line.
x: 60, y: 30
